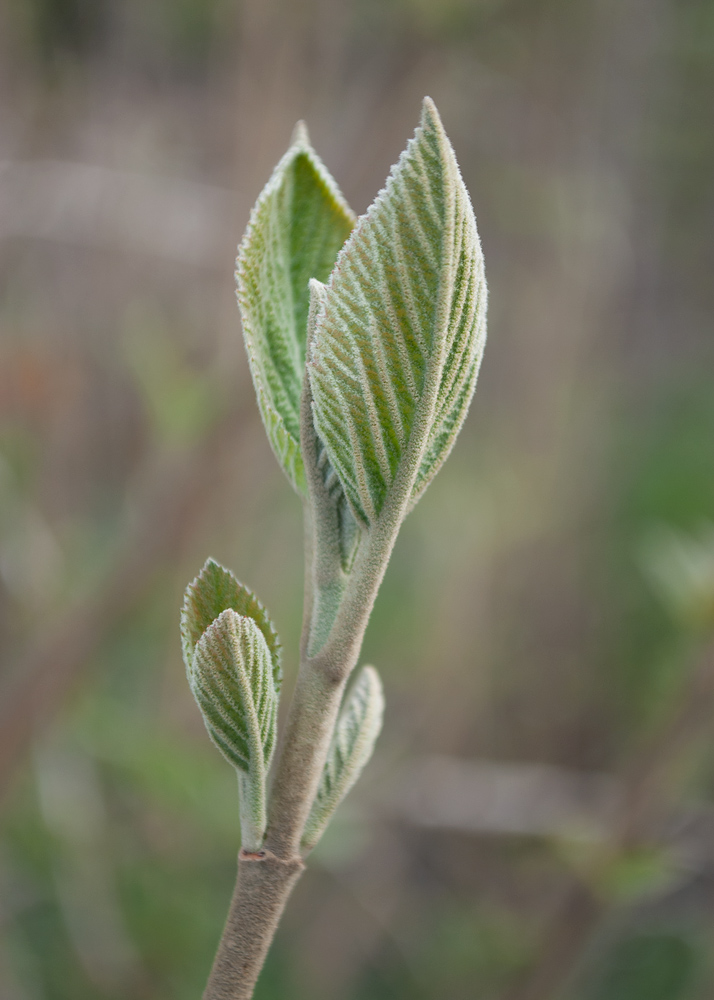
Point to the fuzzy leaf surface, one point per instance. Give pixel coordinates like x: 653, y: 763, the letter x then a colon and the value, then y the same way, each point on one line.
x: 296, y: 229
x: 231, y: 677
x: 214, y: 590
x: 232, y: 680
x: 400, y: 335
x: 347, y: 526
x: 356, y: 732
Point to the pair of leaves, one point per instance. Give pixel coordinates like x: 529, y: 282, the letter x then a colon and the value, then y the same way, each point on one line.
x: 232, y: 657
x: 399, y: 328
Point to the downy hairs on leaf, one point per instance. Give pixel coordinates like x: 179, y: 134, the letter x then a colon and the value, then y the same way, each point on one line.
x: 232, y: 657
x: 361, y: 410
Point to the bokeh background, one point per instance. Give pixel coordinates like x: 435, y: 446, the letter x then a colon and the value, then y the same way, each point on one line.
x: 542, y: 627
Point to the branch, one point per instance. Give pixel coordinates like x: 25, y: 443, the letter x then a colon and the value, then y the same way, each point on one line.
x: 266, y: 878
x: 262, y: 889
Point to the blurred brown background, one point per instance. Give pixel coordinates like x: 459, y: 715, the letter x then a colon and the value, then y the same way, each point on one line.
x: 528, y: 659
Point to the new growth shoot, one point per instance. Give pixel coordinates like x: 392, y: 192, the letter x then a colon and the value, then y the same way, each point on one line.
x: 364, y: 338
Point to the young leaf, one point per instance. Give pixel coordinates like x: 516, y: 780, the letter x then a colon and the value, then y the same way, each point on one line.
x: 352, y: 744
x: 296, y: 229
x: 231, y: 677
x: 214, y: 590
x: 400, y: 335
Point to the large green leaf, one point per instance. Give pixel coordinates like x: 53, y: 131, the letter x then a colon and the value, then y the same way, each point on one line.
x: 352, y: 744
x: 231, y: 677
x: 214, y: 590
x: 400, y: 334
x: 296, y: 229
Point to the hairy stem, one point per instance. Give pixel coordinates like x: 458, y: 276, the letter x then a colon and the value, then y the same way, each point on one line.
x: 262, y: 888
x: 310, y: 724
x: 329, y: 648
x: 266, y: 877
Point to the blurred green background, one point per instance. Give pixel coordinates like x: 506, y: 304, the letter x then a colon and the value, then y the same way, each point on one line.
x: 528, y: 615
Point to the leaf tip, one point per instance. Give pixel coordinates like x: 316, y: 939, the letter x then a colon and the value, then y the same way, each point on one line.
x: 372, y: 678
x: 209, y: 573
x: 371, y: 683
x: 301, y: 136
x: 211, y: 565
x: 220, y: 626
x: 430, y: 115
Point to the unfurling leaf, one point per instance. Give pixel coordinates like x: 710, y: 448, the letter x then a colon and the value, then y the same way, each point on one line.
x: 352, y: 744
x: 232, y: 657
x: 296, y: 229
x: 400, y: 334
x: 214, y: 590
x: 231, y: 677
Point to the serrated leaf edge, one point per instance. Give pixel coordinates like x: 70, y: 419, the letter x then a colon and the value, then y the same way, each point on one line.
x: 269, y: 633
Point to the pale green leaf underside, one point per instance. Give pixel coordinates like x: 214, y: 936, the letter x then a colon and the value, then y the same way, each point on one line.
x: 214, y: 590
x: 352, y: 744
x: 231, y: 677
x: 402, y: 327
x: 296, y: 229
